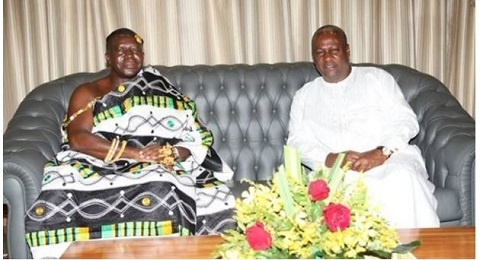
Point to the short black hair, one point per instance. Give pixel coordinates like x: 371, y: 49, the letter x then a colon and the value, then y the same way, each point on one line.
x: 121, y: 31
x: 332, y: 29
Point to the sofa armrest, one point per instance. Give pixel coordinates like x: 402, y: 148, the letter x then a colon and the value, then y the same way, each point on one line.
x: 448, y: 145
x: 446, y: 137
x: 32, y: 137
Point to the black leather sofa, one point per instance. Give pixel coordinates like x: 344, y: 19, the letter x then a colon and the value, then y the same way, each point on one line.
x: 247, y: 108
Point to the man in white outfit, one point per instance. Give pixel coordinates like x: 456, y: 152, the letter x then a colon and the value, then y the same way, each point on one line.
x: 361, y: 111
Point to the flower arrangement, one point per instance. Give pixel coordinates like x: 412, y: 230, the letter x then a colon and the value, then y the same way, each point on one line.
x: 314, y: 216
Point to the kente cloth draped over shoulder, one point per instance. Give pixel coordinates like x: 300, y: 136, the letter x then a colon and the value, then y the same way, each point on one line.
x: 85, y: 198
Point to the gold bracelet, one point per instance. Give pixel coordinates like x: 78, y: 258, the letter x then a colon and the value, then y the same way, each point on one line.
x: 115, y: 148
x: 122, y: 149
x: 81, y: 110
x: 111, y: 151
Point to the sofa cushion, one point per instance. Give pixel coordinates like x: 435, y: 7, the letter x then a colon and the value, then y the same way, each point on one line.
x: 448, y: 204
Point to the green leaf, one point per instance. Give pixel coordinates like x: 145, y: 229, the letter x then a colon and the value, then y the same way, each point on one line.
x: 315, y: 211
x: 316, y: 174
x: 335, y: 176
x: 273, y: 253
x: 284, y: 191
x: 284, y: 225
x: 293, y: 164
x: 377, y: 253
x: 400, y: 249
x: 337, y: 167
x: 405, y: 248
x: 298, y: 197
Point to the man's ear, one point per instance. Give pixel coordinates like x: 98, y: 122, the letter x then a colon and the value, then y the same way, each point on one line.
x: 348, y: 50
x: 107, y: 60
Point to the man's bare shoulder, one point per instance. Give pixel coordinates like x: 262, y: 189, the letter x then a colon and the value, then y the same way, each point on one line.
x: 86, y: 92
x: 90, y: 89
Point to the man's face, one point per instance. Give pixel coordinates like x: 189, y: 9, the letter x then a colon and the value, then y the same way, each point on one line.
x: 125, y: 56
x: 331, y: 57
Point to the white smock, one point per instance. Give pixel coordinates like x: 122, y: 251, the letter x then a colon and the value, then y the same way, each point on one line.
x: 366, y: 110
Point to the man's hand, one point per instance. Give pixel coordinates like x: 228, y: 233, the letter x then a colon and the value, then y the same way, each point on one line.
x: 360, y: 162
x: 158, y: 153
x: 149, y: 154
x: 350, y: 157
x: 183, y: 153
x: 369, y: 160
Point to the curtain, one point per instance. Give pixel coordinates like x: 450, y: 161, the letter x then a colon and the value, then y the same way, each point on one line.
x: 46, y: 39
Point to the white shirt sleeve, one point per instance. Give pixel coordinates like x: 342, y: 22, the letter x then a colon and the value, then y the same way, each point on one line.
x: 401, y: 124
x: 312, y: 151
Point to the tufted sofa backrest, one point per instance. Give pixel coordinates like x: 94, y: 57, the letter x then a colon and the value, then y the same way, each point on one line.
x: 246, y: 107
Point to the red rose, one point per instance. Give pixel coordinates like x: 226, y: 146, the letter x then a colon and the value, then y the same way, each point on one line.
x: 258, y: 238
x: 318, y: 190
x: 337, y: 217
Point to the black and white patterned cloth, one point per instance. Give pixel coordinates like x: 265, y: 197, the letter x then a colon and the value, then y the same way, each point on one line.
x: 85, y: 198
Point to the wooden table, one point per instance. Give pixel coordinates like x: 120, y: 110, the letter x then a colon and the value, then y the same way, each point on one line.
x: 457, y: 242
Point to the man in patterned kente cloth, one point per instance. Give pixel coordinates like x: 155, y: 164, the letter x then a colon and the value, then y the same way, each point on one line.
x: 136, y: 161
